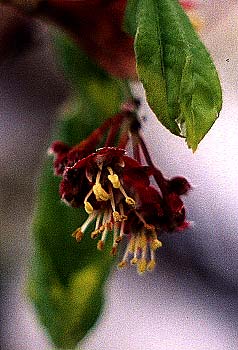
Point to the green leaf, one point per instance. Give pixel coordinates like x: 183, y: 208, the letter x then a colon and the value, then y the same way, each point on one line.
x: 99, y: 91
x: 130, y: 24
x: 67, y: 278
x: 179, y: 77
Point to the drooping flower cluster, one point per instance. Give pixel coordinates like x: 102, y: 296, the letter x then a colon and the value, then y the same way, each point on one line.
x: 116, y: 191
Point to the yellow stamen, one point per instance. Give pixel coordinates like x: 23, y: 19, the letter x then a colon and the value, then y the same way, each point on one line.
x: 116, y: 216
x: 114, y: 180
x: 109, y: 226
x: 134, y: 261
x: 136, y: 248
x: 122, y: 264
x: 141, y: 266
x: 115, y: 234
x: 131, y: 247
x: 88, y: 207
x: 142, y: 241
x: 113, y: 252
x: 100, y: 193
x: 150, y: 227
x: 97, y: 225
x: 78, y: 234
x: 123, y: 216
x: 130, y: 201
x: 90, y: 218
x: 95, y: 234
x: 155, y: 244
x: 101, y: 228
x: 100, y: 245
x: 151, y: 265
x: 118, y: 239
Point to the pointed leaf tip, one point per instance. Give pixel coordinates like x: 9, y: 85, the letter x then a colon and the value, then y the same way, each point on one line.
x: 177, y: 72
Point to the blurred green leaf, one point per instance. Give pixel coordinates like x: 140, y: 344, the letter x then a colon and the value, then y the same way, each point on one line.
x: 67, y: 278
x: 100, y: 92
x: 130, y: 24
x: 179, y: 77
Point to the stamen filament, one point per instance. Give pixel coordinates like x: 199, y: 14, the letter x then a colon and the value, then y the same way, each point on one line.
x: 88, y: 195
x: 155, y: 244
x: 98, y: 221
x: 142, y: 263
x: 88, y: 206
x: 141, y: 218
x: 123, y: 263
x: 112, y: 199
x: 96, y: 231
x: 115, y: 243
x: 90, y: 218
x: 79, y: 232
x: 151, y: 264
x: 122, y: 213
x: 130, y: 201
x: 101, y: 243
x: 98, y: 176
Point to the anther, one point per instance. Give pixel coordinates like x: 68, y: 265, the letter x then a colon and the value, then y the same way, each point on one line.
x: 151, y: 265
x: 88, y: 207
x: 116, y: 216
x: 155, y: 244
x: 114, y: 180
x: 78, y: 234
x: 149, y: 227
x: 101, y: 228
x: 100, y: 245
x: 122, y: 264
x: 113, y: 251
x: 142, y: 241
x: 109, y: 226
x: 130, y: 201
x: 123, y: 217
x: 118, y: 239
x: 100, y: 193
x: 131, y: 245
x: 141, y: 266
x: 95, y: 234
x: 134, y: 261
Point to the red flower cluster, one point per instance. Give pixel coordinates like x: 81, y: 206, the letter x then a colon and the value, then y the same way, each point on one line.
x: 117, y: 193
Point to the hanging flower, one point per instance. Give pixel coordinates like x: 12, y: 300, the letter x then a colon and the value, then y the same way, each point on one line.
x: 116, y: 191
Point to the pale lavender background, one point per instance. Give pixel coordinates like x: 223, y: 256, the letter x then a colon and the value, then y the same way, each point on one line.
x: 191, y: 302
